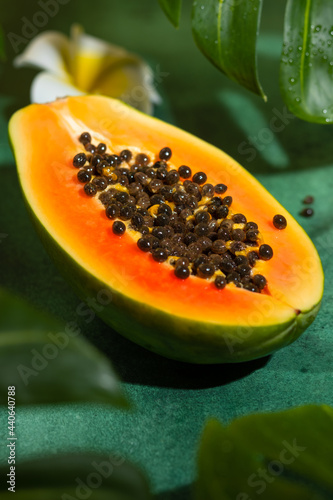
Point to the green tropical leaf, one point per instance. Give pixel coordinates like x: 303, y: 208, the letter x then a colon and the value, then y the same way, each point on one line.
x: 306, y: 74
x: 271, y: 456
x: 172, y: 10
x: 226, y: 32
x: 72, y: 476
x: 49, y: 362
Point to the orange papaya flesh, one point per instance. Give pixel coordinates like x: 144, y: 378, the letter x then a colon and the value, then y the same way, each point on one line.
x: 189, y: 320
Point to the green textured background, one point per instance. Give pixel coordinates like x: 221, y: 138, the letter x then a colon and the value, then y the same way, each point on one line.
x: 172, y: 400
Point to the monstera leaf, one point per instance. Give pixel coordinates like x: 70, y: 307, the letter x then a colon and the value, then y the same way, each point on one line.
x: 73, y: 476
x: 286, y: 455
x: 48, y: 361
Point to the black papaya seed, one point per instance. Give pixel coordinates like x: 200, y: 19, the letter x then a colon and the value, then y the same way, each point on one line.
x: 112, y: 211
x: 239, y: 219
x: 220, y: 282
x: 220, y: 188
x: 79, y: 160
x: 185, y: 172
x: 85, y: 138
x: 307, y: 212
x: 260, y: 281
x: 265, y: 252
x: 182, y: 272
x: 279, y: 221
x: 90, y: 189
x: 83, y: 176
x: 199, y: 178
x: 126, y: 155
x: 160, y: 254
x: 165, y: 154
x: 118, y: 228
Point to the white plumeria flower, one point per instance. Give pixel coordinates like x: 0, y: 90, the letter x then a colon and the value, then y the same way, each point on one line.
x: 83, y: 64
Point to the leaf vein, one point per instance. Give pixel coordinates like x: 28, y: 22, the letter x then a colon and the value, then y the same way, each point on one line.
x: 305, y: 36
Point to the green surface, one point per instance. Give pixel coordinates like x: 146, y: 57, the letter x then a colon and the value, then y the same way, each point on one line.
x: 173, y: 400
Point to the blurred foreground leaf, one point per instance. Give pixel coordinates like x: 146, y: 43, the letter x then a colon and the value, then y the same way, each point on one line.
x: 286, y: 455
x: 73, y: 476
x: 49, y: 362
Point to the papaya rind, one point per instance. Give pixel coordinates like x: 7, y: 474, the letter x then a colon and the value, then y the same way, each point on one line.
x: 171, y: 336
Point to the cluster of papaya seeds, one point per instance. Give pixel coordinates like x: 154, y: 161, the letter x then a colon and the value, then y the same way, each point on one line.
x: 176, y: 215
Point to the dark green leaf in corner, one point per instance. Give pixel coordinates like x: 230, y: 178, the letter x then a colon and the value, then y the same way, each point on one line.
x: 73, y: 476
x: 226, y: 32
x: 306, y: 74
x: 49, y: 362
x: 286, y: 455
x: 172, y: 10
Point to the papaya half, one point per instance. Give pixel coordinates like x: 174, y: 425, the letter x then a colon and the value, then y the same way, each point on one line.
x: 200, y: 262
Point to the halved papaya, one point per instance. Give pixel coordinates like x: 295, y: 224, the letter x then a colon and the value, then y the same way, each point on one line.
x: 186, y: 319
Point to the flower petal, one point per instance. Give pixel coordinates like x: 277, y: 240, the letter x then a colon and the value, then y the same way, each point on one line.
x: 47, y: 87
x: 100, y: 67
x: 49, y: 51
x: 130, y: 83
x: 90, y: 57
